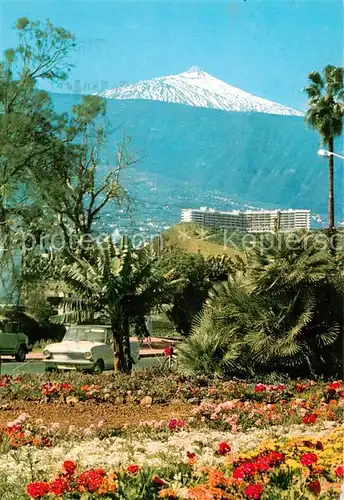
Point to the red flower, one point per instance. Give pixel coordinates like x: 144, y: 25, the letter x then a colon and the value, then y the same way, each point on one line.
x: 260, y: 388
x: 332, y: 386
x: 309, y: 419
x: 301, y: 387
x: 68, y: 467
x: 13, y: 429
x: 158, y: 481
x: 133, y: 469
x: 315, y: 487
x: 279, y: 387
x: 254, y: 491
x: 190, y: 455
x: 319, y: 445
x: 239, y: 473
x: 263, y: 464
x: 37, y: 489
x: 275, y: 457
x: 223, y: 448
x: 308, y: 459
x: 45, y: 442
x: 246, y: 469
x: 175, y: 423
x: 249, y: 468
x: 66, y: 387
x: 91, y: 479
x: 339, y: 471
x: 59, y: 486
x: 167, y: 352
x: 5, y: 380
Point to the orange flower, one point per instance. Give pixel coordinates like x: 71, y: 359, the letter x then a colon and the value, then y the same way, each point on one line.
x: 203, y: 492
x: 108, y: 485
x: 192, y: 460
x: 168, y: 493
x: 216, y: 478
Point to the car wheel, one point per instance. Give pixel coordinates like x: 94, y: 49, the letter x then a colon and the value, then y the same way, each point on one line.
x: 99, y: 367
x: 21, y: 354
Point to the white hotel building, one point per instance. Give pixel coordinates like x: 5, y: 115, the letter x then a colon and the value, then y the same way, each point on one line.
x: 253, y: 221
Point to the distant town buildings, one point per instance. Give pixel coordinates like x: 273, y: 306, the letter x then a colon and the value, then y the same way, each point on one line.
x: 253, y: 221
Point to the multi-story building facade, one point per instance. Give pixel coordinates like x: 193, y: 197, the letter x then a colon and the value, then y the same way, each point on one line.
x: 254, y: 221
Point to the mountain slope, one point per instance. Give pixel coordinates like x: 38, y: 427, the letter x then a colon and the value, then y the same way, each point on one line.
x: 259, y: 159
x: 197, y: 88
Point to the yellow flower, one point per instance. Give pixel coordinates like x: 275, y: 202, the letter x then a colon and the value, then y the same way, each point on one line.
x: 293, y: 463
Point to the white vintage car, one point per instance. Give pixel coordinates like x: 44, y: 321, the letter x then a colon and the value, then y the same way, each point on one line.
x: 85, y: 347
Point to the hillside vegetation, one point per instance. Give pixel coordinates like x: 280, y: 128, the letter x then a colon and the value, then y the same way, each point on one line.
x: 195, y: 238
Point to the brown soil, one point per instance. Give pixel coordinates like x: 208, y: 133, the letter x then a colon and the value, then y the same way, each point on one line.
x: 86, y: 413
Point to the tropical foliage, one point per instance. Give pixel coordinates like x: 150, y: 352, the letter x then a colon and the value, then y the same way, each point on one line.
x: 197, y: 274
x: 116, y: 284
x: 282, y: 314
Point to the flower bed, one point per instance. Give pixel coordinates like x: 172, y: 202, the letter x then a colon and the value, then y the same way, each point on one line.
x: 235, y: 441
x: 189, y: 461
x: 276, y: 469
x: 18, y: 434
x: 167, y: 387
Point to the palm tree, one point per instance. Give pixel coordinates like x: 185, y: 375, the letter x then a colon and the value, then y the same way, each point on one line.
x: 282, y: 314
x: 119, y: 284
x: 325, y: 114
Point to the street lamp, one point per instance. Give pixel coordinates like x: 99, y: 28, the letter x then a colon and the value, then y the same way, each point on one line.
x: 326, y: 154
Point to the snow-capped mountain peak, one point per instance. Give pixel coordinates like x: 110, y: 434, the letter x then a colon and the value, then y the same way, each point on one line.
x: 195, y: 87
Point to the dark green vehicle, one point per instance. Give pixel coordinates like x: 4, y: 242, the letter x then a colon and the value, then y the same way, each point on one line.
x: 13, y: 342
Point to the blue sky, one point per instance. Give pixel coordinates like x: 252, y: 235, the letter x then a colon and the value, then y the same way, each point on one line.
x: 266, y: 48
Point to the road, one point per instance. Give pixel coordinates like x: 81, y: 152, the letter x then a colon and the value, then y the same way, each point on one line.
x: 9, y: 367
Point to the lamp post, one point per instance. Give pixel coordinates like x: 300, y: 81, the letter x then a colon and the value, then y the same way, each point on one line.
x: 325, y: 154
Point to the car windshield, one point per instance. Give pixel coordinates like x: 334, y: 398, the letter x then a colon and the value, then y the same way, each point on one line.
x: 90, y: 334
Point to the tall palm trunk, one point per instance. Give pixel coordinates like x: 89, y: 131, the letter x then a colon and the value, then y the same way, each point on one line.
x: 119, y: 362
x: 330, y: 185
x: 126, y: 345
